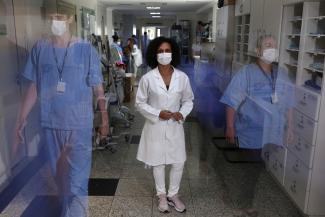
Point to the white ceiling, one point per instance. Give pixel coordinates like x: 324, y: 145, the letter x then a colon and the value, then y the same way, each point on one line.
x: 168, y: 7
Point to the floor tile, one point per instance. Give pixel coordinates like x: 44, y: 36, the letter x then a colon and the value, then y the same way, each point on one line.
x: 132, y: 171
x: 208, y: 206
x: 131, y: 207
x: 99, y: 206
x: 135, y: 187
x: 102, y: 186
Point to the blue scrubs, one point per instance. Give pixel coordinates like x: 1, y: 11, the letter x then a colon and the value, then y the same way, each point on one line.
x: 258, y: 121
x: 116, y: 53
x: 67, y: 116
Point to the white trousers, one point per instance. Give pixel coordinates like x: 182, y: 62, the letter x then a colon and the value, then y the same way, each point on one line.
x: 175, y: 178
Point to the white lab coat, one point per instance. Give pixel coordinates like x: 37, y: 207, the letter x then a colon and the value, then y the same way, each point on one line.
x: 163, y: 142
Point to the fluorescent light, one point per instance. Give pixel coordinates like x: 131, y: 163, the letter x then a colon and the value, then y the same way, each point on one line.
x: 156, y: 16
x: 152, y: 8
x: 154, y: 13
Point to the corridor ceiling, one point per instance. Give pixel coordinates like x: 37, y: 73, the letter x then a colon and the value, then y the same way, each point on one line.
x: 167, y: 7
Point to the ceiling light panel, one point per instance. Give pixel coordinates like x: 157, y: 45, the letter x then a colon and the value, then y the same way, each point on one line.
x: 153, y: 7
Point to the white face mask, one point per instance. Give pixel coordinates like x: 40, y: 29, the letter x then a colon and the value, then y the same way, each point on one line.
x: 58, y: 27
x: 270, y: 55
x: 164, y: 58
x: 119, y: 43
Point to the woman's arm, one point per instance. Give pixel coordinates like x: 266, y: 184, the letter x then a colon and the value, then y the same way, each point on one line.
x: 187, y: 99
x: 141, y: 102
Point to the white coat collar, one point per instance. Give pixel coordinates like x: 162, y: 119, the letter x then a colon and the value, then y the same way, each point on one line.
x: 175, y: 76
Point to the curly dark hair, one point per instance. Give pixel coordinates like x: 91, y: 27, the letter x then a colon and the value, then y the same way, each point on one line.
x: 151, y: 55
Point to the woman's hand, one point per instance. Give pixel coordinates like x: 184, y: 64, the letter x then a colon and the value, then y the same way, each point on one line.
x: 230, y: 135
x: 177, y: 116
x: 165, y: 115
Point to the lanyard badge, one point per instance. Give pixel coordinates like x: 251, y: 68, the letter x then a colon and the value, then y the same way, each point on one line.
x: 274, y: 98
x: 61, y: 87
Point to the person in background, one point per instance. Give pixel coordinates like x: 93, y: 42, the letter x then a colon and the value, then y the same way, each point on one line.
x: 127, y: 51
x: 64, y: 73
x: 258, y: 93
x: 116, y: 50
x: 135, y: 38
x: 137, y: 57
x: 164, y: 98
x: 145, y: 43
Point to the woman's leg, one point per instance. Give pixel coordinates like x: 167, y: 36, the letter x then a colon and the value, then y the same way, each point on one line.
x: 175, y: 178
x: 159, y: 176
x: 174, y: 183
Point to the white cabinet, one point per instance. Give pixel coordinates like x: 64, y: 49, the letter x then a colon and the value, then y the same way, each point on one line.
x: 303, y: 149
x: 305, y: 127
x: 265, y: 19
x: 256, y: 23
x: 302, y: 53
x: 272, y: 17
x: 223, y: 22
x: 307, y: 102
x: 242, y: 7
x: 297, y: 180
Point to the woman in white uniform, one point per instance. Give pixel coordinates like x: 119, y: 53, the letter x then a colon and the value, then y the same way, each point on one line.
x: 164, y: 98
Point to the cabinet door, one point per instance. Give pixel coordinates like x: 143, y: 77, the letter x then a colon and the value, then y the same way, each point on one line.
x: 297, y: 180
x: 256, y: 23
x: 242, y: 7
x: 272, y: 18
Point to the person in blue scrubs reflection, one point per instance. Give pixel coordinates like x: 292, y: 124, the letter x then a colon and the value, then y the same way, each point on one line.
x: 64, y: 72
x: 258, y: 100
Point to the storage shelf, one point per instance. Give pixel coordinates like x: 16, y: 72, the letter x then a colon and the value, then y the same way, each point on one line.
x: 241, y: 39
x: 295, y: 19
x: 291, y: 64
x: 292, y: 50
x: 312, y: 89
x: 316, y: 35
x: 316, y: 18
x: 316, y: 53
x: 293, y: 35
x: 314, y: 70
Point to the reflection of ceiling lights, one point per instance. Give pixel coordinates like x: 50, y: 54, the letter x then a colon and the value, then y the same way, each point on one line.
x: 156, y: 16
x: 153, y: 7
x: 154, y: 13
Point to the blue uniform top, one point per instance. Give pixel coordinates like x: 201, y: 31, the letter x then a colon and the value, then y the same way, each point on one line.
x: 73, y: 108
x: 258, y: 121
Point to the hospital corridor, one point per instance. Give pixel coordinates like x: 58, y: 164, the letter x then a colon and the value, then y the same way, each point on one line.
x: 197, y: 108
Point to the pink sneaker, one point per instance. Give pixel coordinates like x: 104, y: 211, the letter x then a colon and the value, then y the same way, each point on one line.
x: 163, y: 204
x: 176, y: 203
